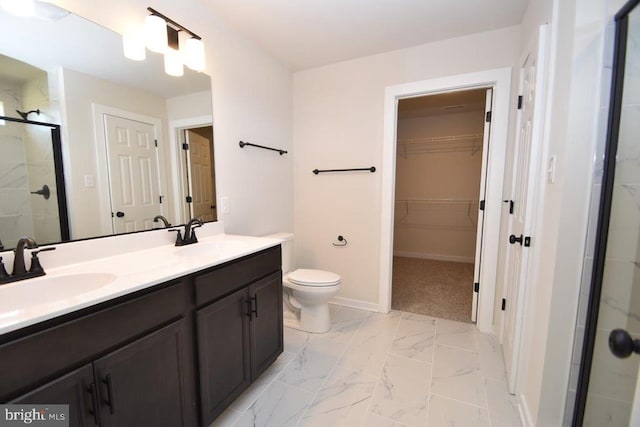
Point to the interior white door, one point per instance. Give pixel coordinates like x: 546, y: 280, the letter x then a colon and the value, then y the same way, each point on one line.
x: 134, y: 180
x: 201, y: 182
x: 523, y: 190
x: 477, y: 267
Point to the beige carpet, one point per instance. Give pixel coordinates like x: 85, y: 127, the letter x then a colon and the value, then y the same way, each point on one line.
x: 435, y: 288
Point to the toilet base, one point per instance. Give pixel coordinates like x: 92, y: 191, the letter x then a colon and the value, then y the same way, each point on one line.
x: 314, y: 319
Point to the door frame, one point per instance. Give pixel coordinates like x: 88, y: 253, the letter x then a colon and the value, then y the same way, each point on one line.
x: 178, y: 167
x: 500, y: 80
x: 103, y: 183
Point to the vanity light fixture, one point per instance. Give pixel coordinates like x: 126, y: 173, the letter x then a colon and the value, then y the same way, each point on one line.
x: 179, y: 45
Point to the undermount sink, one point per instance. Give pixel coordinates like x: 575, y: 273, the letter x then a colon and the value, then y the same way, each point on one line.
x: 49, y: 289
x: 211, y: 249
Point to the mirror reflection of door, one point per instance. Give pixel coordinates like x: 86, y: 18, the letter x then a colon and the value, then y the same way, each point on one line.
x: 134, y: 181
x: 200, y: 166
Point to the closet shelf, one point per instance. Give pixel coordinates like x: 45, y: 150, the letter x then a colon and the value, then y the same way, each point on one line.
x: 443, y: 144
x: 451, y: 214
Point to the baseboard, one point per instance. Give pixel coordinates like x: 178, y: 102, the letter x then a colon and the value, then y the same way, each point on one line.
x: 354, y: 303
x: 437, y: 257
x: 525, y: 414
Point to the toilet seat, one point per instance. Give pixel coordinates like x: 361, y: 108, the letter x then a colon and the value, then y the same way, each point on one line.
x: 313, y: 278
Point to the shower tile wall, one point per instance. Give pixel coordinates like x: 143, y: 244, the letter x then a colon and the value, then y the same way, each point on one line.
x: 15, y: 209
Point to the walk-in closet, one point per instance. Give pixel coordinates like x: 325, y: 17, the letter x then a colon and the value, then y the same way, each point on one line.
x: 439, y: 169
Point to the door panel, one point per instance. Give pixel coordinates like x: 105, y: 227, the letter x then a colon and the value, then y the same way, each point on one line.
x: 483, y: 186
x: 133, y: 173
x: 524, y: 187
x: 223, y: 353
x: 153, y: 372
x: 266, y: 325
x: 73, y: 389
x: 201, y: 173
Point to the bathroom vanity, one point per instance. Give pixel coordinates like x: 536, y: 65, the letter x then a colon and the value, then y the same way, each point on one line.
x: 169, y: 352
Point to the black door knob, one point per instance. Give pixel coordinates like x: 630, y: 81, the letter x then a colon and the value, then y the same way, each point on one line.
x: 513, y: 239
x: 119, y: 214
x: 622, y: 345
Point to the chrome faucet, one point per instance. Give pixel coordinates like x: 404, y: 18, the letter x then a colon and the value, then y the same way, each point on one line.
x: 163, y: 219
x: 19, y: 269
x: 189, y: 233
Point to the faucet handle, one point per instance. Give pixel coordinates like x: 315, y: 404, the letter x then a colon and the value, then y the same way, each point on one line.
x: 3, y: 270
x: 36, y: 267
x: 178, y: 237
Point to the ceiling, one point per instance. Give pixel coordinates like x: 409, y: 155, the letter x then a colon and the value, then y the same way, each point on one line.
x: 310, y: 33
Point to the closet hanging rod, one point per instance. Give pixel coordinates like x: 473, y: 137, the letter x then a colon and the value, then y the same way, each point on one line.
x: 243, y: 144
x: 372, y: 169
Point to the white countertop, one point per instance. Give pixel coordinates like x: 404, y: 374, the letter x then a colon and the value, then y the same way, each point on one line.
x: 30, y: 301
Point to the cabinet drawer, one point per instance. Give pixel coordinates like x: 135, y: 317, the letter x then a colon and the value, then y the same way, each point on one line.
x: 27, y: 362
x: 224, y: 280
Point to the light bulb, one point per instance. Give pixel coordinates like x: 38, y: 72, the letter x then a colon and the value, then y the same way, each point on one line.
x: 133, y: 46
x: 173, y: 63
x: 155, y: 31
x: 18, y: 7
x: 194, y: 54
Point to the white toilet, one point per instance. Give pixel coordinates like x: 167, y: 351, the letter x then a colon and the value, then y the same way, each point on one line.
x: 306, y: 293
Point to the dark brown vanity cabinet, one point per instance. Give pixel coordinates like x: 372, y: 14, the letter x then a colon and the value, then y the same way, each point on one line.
x: 142, y: 383
x: 239, y: 336
x: 138, y: 360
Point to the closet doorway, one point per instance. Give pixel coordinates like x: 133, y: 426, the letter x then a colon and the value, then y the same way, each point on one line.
x: 441, y: 163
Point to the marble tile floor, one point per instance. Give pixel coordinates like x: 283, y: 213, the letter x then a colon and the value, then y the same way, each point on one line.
x: 381, y: 370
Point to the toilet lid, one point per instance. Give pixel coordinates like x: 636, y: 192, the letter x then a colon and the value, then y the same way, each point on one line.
x: 306, y: 277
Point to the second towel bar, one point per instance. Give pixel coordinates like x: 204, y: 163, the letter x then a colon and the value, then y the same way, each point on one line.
x: 372, y: 169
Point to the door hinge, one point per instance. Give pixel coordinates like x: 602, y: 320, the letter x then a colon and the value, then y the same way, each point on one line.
x: 510, y: 205
x: 185, y: 146
x: 155, y: 141
x: 519, y: 102
x: 527, y: 241
x: 189, y: 199
x: 481, y: 205
x: 476, y: 287
x: 488, y: 117
x: 504, y: 304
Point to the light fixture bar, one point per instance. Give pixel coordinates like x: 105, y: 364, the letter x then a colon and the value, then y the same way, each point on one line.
x: 173, y: 23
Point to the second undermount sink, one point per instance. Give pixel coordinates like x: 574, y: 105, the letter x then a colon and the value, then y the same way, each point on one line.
x: 48, y: 289
x: 211, y: 249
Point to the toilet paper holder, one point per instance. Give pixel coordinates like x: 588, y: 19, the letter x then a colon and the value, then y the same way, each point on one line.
x: 342, y: 240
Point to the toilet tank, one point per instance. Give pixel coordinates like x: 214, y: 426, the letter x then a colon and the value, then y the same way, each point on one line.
x: 286, y: 240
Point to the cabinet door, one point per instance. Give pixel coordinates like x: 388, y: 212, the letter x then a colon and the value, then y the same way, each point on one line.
x: 266, y: 322
x: 146, y: 383
x: 73, y: 389
x: 223, y: 353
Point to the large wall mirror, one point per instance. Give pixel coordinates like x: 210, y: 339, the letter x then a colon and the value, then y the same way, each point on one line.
x: 135, y: 142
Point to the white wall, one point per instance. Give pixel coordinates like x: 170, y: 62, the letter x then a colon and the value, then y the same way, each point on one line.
x: 251, y: 101
x: 338, y: 123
